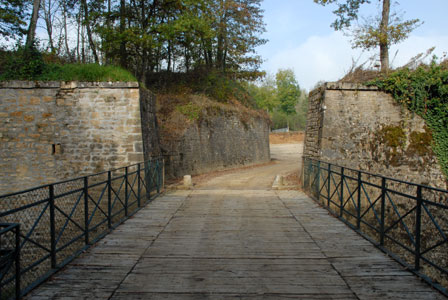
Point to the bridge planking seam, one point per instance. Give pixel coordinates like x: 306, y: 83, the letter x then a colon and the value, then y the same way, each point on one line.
x: 150, y: 244
x: 284, y: 276
x: 312, y: 238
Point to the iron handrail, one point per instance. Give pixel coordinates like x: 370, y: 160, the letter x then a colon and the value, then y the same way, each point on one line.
x: 403, y: 224
x: 60, y: 220
x: 10, y: 256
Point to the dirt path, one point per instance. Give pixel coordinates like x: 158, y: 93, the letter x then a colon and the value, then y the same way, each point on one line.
x: 286, y: 159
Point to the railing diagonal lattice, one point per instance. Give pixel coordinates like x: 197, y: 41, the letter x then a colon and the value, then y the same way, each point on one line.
x: 58, y: 221
x: 406, y: 220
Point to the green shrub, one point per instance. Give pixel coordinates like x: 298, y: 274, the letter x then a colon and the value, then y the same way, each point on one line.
x: 210, y: 82
x: 86, y: 72
x: 191, y: 111
x: 30, y: 64
x: 295, y: 122
x: 425, y: 92
x: 26, y: 63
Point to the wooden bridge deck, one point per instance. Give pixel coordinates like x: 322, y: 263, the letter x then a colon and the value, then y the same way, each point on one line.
x: 234, y: 244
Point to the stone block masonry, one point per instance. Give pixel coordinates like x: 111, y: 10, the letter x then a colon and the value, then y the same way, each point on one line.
x: 222, y: 143
x: 51, y: 131
x: 363, y: 128
x: 209, y: 136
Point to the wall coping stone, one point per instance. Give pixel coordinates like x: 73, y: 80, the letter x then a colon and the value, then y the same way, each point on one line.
x: 348, y: 86
x: 19, y: 84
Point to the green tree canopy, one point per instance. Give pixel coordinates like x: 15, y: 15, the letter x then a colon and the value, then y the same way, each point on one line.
x: 12, y: 18
x: 180, y: 35
x: 265, y: 93
x: 288, y: 91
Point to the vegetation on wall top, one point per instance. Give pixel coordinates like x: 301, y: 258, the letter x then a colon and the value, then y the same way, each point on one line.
x: 31, y: 64
x: 425, y: 92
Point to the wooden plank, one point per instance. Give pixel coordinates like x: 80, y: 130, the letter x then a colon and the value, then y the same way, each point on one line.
x: 234, y: 244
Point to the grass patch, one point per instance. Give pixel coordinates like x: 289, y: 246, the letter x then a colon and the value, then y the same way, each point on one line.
x: 214, y: 84
x: 73, y: 72
x: 30, y: 64
x: 88, y: 72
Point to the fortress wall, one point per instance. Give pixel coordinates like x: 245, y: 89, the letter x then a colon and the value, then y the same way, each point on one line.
x: 50, y: 131
x: 363, y: 128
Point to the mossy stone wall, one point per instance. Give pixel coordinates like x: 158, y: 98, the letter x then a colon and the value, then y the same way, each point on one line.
x: 362, y: 128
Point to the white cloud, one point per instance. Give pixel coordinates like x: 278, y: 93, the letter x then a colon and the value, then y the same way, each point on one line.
x: 329, y: 57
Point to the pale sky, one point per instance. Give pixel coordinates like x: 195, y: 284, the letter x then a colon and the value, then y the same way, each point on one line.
x: 300, y: 38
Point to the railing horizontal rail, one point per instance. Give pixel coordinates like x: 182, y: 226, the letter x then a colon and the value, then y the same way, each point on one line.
x: 60, y: 220
x: 407, y: 220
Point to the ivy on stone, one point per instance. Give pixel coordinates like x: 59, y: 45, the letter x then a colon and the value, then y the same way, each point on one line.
x: 425, y: 92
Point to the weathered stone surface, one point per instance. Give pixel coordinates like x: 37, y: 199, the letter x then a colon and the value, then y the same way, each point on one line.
x: 220, y: 140
x: 50, y: 131
x: 363, y: 128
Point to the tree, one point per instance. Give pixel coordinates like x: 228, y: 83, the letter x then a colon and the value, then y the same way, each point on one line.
x: 33, y: 22
x: 383, y: 31
x: 12, y: 15
x: 288, y: 91
x: 88, y: 23
x: 265, y: 93
x: 149, y: 36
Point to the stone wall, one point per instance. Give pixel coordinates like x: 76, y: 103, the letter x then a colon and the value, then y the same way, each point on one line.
x: 362, y: 128
x: 222, y: 137
x: 150, y: 131
x: 314, y: 122
x: 51, y: 131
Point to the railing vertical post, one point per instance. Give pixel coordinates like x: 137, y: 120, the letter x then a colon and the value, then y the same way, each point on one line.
x: 86, y: 210
x: 418, y: 225
x: 341, y: 209
x: 163, y: 174
x: 318, y: 182
x: 305, y: 173
x: 109, y: 199
x: 329, y: 184
x: 358, y: 210
x: 138, y: 185
x: 126, y: 191
x: 383, y: 209
x: 158, y: 175
x: 148, y: 179
x: 52, y: 228
x: 17, y: 261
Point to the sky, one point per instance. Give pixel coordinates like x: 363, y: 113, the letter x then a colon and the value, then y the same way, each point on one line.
x: 300, y: 38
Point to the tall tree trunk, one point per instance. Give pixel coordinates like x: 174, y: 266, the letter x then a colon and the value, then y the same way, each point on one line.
x: 78, y: 55
x: 168, y: 68
x: 107, y: 53
x: 89, y: 32
x: 67, y: 48
x: 123, y: 53
x: 83, y: 46
x: 46, y: 7
x: 384, y: 39
x: 33, y: 22
x: 187, y: 59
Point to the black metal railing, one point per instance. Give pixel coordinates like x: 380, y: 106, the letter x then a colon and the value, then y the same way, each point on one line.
x: 58, y: 221
x: 10, y: 259
x: 408, y: 221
